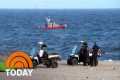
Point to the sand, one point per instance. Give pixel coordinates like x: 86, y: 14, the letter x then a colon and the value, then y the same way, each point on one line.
x: 106, y: 70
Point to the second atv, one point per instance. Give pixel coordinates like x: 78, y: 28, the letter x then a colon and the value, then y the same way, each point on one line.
x: 84, y: 55
x: 79, y: 56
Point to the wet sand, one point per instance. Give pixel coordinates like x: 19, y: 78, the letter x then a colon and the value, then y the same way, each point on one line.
x: 106, y: 70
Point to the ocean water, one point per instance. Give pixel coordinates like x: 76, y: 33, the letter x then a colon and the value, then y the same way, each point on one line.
x: 19, y: 30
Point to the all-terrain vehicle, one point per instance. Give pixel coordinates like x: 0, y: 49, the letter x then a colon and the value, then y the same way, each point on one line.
x: 75, y: 58
x: 41, y: 56
x: 50, y: 61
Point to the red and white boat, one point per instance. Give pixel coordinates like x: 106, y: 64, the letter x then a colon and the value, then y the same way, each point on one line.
x: 52, y: 25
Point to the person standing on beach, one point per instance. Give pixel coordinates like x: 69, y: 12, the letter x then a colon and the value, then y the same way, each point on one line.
x: 95, y: 52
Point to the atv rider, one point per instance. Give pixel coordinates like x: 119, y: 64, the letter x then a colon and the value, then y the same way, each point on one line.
x: 84, y: 53
x: 42, y: 52
x: 95, y: 53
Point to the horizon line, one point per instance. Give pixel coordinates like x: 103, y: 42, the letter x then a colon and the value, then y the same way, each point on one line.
x: 55, y: 8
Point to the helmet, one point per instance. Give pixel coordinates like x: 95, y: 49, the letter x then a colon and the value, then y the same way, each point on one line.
x: 82, y: 41
x: 95, y: 45
x: 85, y: 43
x: 44, y: 45
x: 41, y: 43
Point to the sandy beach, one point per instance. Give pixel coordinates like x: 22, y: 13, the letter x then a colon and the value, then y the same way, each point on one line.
x: 106, y: 70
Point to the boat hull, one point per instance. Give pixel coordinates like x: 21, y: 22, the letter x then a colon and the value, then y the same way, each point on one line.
x: 56, y: 27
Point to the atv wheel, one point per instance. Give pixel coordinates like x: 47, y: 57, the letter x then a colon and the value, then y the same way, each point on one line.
x: 74, y: 61
x: 48, y: 65
x: 34, y: 63
x: 54, y: 65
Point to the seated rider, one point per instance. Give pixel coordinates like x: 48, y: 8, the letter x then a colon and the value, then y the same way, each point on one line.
x: 43, y: 51
x: 84, y: 53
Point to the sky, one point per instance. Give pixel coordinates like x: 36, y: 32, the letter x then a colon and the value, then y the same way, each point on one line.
x: 59, y: 4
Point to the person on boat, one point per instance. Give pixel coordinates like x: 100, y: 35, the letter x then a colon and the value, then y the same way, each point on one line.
x: 48, y: 20
x: 95, y: 53
x: 43, y: 51
x: 84, y: 53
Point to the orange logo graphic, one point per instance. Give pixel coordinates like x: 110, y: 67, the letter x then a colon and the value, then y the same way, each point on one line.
x: 18, y: 59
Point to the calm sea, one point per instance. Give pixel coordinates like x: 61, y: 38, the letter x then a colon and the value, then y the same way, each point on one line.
x: 19, y: 30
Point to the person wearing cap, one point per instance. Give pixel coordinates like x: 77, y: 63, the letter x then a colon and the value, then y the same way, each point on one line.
x: 84, y: 53
x: 43, y: 51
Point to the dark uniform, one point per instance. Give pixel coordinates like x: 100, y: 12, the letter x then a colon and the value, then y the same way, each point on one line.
x: 84, y: 54
x: 94, y: 60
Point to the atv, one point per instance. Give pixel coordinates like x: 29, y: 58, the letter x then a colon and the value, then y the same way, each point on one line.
x: 50, y: 61
x: 75, y: 59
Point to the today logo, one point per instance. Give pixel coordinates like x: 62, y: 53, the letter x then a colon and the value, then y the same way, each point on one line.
x: 18, y: 64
